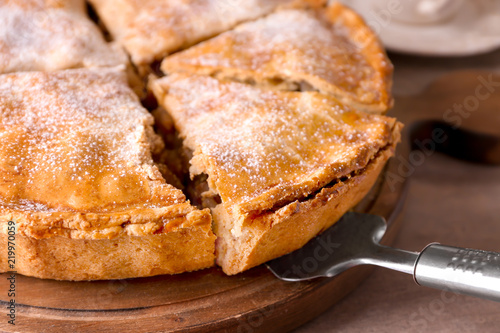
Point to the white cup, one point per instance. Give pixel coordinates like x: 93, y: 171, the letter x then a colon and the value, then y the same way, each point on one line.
x: 423, y: 11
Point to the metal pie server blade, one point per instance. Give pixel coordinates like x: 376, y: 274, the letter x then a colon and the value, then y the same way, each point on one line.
x: 354, y: 240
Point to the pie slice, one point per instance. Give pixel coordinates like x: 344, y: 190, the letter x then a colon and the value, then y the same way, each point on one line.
x: 47, y: 35
x: 151, y: 29
x: 78, y: 179
x: 326, y: 49
x: 283, y: 166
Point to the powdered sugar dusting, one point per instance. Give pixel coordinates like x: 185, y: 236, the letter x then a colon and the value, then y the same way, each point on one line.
x: 150, y: 29
x: 74, y: 140
x: 254, y: 142
x: 292, y: 45
x: 50, y: 35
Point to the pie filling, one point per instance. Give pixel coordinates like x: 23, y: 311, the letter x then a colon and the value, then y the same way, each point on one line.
x: 275, y: 83
x: 202, y: 196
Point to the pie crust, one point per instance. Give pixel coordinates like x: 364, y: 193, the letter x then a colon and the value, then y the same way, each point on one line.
x: 78, y: 179
x: 48, y: 35
x: 151, y: 29
x: 271, y: 155
x: 326, y: 49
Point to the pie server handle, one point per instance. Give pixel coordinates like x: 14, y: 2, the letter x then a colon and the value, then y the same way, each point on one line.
x: 459, y: 270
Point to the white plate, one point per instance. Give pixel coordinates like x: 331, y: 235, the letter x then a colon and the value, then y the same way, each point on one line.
x: 475, y: 28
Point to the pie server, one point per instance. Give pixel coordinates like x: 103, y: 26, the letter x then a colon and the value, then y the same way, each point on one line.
x: 354, y: 240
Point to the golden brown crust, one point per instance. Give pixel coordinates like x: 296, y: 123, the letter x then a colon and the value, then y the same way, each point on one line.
x: 68, y: 147
x: 273, y: 234
x: 371, y: 48
x: 264, y: 148
x: 47, y: 35
x: 329, y: 49
x: 76, y: 168
x: 151, y: 29
x: 130, y: 222
x: 63, y: 258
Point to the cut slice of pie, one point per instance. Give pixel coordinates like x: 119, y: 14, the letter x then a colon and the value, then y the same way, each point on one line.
x: 47, y: 35
x: 330, y: 50
x: 78, y: 179
x: 283, y: 165
x: 151, y: 29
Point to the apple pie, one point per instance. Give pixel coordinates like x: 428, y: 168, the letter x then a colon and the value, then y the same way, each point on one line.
x: 47, y: 35
x: 78, y: 179
x: 283, y: 165
x: 271, y: 114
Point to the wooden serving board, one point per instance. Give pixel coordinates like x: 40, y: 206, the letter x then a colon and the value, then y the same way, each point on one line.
x: 254, y: 301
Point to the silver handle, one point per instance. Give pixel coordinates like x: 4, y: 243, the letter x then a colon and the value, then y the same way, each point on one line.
x: 464, y: 271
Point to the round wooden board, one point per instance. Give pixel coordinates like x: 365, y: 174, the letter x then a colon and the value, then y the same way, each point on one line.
x: 203, y: 301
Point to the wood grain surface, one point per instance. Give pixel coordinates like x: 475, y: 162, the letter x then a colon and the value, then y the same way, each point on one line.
x: 451, y: 201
